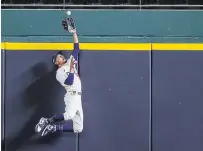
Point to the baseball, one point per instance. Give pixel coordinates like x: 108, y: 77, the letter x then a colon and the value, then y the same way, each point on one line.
x: 68, y: 13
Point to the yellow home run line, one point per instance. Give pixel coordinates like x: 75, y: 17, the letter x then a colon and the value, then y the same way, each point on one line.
x: 177, y: 46
x: 69, y: 46
x: 103, y: 46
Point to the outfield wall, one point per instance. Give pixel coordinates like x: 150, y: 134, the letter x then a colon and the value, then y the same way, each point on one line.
x: 141, y: 74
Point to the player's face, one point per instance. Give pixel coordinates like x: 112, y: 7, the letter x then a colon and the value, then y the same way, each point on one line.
x: 60, y: 60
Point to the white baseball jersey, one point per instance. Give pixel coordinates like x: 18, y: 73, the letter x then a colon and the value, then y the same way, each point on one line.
x: 62, y: 74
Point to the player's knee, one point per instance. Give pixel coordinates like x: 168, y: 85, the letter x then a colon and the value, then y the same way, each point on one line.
x: 68, y: 116
x: 78, y: 130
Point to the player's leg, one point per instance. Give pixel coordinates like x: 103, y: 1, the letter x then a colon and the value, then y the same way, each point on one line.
x: 43, y: 122
x: 71, y: 110
x: 75, y: 124
x: 64, y: 127
x: 78, y: 118
x: 51, y: 128
x: 78, y: 121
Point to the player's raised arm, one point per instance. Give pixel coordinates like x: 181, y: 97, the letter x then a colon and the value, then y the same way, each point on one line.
x: 74, y: 59
x: 69, y: 25
x: 75, y: 37
x: 76, y: 46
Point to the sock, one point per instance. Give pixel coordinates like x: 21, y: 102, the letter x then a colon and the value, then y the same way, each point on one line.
x: 56, y: 118
x: 66, y: 127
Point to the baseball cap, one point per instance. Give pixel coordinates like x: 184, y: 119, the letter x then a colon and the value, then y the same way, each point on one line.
x: 55, y: 56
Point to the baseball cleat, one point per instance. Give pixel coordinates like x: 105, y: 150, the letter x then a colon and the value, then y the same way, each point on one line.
x: 41, y: 125
x: 48, y: 129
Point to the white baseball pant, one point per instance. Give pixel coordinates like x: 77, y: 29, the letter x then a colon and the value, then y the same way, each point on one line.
x: 74, y: 111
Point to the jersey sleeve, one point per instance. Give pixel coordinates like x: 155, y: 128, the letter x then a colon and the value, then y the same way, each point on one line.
x: 76, y: 51
x: 69, y: 80
x: 66, y: 78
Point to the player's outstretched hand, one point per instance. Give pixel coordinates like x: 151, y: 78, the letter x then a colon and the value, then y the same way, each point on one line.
x: 69, y: 25
x: 71, y: 30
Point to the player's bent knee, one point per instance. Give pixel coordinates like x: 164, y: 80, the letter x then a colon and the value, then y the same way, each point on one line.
x: 68, y: 116
x: 79, y: 130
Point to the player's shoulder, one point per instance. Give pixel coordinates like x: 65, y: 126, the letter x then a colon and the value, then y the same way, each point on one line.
x: 60, y: 74
x: 60, y: 71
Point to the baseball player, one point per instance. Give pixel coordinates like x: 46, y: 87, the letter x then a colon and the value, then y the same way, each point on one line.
x: 68, y: 77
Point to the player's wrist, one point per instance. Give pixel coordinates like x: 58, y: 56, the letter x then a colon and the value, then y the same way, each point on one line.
x: 74, y: 32
x: 71, y: 70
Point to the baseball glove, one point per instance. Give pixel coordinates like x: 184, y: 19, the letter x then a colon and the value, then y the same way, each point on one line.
x: 69, y: 25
